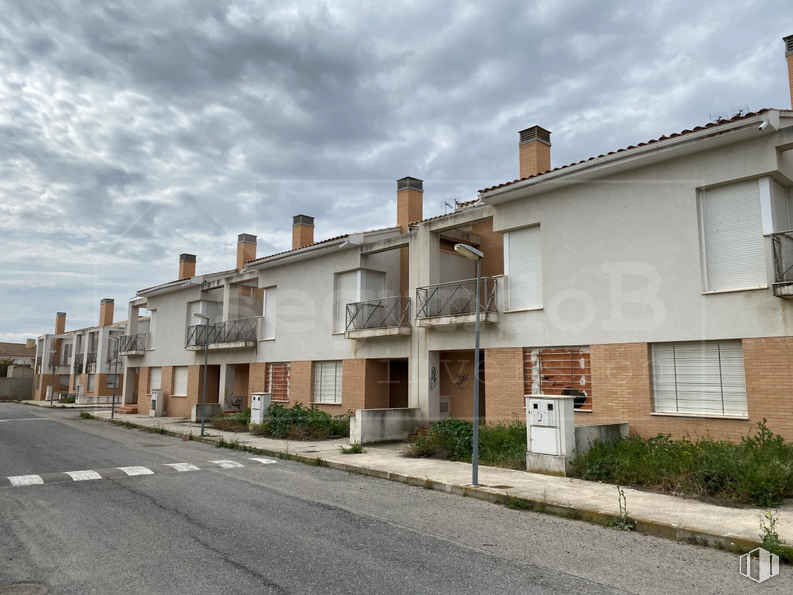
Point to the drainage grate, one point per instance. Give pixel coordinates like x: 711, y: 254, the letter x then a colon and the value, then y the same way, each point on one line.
x: 502, y: 487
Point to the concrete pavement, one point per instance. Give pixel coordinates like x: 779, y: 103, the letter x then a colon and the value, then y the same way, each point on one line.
x: 292, y: 528
x: 658, y: 514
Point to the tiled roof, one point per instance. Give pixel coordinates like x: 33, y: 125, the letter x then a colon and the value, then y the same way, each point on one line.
x: 460, y: 206
x: 328, y: 241
x: 632, y: 147
x: 187, y: 279
x: 16, y: 349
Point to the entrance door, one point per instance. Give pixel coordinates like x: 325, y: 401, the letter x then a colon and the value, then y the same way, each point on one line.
x: 398, y: 383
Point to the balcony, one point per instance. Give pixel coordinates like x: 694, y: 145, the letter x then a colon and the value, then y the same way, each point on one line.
x: 230, y: 334
x: 783, y: 263
x: 133, y: 344
x: 378, y: 318
x: 455, y: 303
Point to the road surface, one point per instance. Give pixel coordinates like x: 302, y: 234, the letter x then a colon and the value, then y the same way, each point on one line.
x: 176, y: 520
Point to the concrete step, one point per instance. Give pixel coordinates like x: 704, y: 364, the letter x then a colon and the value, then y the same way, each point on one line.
x: 127, y: 409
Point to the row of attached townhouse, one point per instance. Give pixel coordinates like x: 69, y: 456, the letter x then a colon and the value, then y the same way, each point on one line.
x: 650, y: 283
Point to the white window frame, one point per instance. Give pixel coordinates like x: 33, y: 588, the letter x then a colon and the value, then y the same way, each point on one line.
x: 510, y: 306
x: 706, y: 288
x: 151, y: 378
x: 683, y: 379
x: 110, y: 382
x: 177, y: 370
x: 319, y: 370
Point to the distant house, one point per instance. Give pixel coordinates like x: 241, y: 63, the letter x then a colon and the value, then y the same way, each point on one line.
x: 21, y: 354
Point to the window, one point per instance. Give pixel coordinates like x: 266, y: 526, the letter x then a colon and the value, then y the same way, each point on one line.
x: 76, y: 382
x: 63, y: 381
x: 112, y: 381
x: 524, y: 267
x: 327, y: 382
x: 90, y: 388
x: 180, y: 381
x: 155, y: 378
x: 276, y: 380
x: 559, y: 371
x: 346, y: 292
x: 699, y: 378
x: 732, y: 237
x: 270, y: 312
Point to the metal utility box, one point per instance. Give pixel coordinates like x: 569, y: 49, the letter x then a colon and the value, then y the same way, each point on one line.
x: 260, y: 403
x: 157, y: 407
x: 550, y: 433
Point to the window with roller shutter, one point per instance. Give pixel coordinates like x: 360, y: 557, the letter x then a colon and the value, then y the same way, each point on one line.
x: 155, y: 378
x: 327, y: 382
x: 699, y: 378
x: 180, y: 381
x: 523, y: 261
x: 559, y: 371
x: 732, y: 242
x: 276, y: 380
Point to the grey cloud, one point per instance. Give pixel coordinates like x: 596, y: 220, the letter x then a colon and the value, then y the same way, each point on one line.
x: 133, y: 131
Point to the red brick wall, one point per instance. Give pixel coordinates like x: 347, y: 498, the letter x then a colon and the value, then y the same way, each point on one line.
x: 256, y: 378
x: 376, y: 384
x: 504, y: 378
x: 302, y: 383
x: 492, y: 247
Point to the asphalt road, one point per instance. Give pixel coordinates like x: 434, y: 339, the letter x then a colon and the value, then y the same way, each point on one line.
x: 292, y: 528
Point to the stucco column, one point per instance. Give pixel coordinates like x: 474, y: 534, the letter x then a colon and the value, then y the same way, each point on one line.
x: 226, y: 386
x: 132, y: 319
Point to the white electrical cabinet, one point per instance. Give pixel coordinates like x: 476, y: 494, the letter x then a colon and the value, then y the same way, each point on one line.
x: 260, y: 403
x: 157, y: 407
x: 550, y: 433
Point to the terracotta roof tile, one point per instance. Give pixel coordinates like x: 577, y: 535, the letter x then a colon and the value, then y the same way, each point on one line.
x: 632, y: 147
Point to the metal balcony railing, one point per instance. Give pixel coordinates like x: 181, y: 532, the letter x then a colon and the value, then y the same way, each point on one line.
x: 112, y: 354
x: 65, y: 360
x: 38, y: 360
x: 783, y: 256
x: 78, y: 359
x: 91, y: 359
x: 136, y: 342
x: 383, y: 313
x: 456, y: 298
x: 230, y: 331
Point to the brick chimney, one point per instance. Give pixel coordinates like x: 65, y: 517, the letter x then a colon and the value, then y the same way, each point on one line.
x: 302, y: 231
x: 60, y: 323
x: 246, y: 249
x: 789, y: 56
x: 106, y: 307
x: 535, y: 151
x: 410, y: 201
x: 30, y: 343
x: 186, y: 266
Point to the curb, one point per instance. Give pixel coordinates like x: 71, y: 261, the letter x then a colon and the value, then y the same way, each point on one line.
x: 670, y: 531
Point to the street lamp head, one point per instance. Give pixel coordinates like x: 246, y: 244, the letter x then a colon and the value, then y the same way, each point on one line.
x: 53, y: 351
x: 201, y: 316
x: 111, y: 338
x: 468, y: 251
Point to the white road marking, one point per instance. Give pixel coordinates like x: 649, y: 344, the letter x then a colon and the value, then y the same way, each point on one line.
x: 227, y: 464
x: 24, y: 419
x: 263, y: 461
x: 183, y: 466
x: 136, y: 470
x: 83, y: 475
x: 25, y: 480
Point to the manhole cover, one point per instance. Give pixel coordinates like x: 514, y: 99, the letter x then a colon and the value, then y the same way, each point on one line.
x: 23, y: 589
x: 310, y: 451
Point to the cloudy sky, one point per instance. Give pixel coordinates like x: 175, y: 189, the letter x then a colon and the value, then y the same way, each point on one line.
x: 132, y: 131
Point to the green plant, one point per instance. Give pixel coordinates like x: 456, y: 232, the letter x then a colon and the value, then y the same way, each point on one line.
x: 623, y: 522
x: 318, y: 462
x: 518, y: 504
x: 124, y: 424
x: 757, y: 470
x: 771, y: 541
x: 354, y: 449
x: 301, y: 423
x: 86, y: 415
x: 238, y: 422
x: 500, y: 445
x: 71, y: 399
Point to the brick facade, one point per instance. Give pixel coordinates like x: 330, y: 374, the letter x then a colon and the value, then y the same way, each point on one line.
x: 504, y: 377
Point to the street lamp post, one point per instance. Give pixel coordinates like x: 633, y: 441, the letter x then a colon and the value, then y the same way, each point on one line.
x: 52, y: 362
x: 115, y: 379
x: 205, y: 318
x: 474, y: 254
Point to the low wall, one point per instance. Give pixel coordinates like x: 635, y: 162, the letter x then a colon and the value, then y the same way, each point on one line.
x: 381, y: 425
x: 585, y: 435
x: 12, y: 389
x: 212, y: 410
x: 91, y: 400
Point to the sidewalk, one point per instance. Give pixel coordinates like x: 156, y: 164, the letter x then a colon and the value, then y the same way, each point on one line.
x: 658, y: 514
x: 57, y: 405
